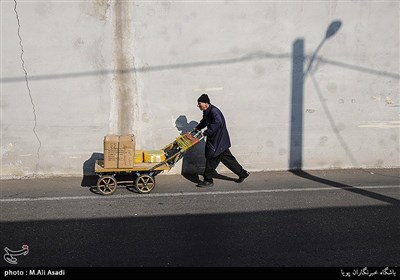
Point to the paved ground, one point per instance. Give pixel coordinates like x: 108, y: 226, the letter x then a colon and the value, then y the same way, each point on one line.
x: 335, y: 218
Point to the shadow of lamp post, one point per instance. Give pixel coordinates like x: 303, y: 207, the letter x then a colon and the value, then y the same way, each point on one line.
x: 298, y: 76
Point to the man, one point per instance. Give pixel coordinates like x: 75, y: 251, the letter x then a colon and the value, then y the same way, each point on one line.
x: 217, y: 143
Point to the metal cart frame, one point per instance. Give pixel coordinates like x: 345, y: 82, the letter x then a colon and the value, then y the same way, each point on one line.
x: 143, y: 174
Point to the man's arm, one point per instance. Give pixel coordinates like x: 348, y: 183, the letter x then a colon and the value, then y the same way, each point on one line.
x: 201, y: 125
x: 214, y: 125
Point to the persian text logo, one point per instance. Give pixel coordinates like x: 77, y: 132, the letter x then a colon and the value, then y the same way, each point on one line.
x: 9, y: 256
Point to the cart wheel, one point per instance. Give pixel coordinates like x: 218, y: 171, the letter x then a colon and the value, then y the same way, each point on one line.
x: 145, y: 183
x: 106, y: 185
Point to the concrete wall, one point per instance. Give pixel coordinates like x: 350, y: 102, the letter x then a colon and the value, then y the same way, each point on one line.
x: 302, y: 84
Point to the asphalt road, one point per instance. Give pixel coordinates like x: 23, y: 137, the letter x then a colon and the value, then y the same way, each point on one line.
x: 336, y: 218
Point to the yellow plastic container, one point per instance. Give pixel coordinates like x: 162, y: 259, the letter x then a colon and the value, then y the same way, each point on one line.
x: 154, y: 156
x: 138, y: 156
x: 186, y: 141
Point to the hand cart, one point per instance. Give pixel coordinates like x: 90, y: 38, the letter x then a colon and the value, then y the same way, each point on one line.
x: 142, y: 175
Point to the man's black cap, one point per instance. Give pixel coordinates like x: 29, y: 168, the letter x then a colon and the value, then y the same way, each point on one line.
x: 204, y: 98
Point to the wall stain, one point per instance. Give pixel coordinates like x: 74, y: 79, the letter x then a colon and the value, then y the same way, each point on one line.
x: 100, y: 8
x: 323, y: 140
x: 125, y: 79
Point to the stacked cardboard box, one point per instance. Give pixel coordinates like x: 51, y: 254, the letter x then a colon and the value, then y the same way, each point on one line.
x: 119, y: 151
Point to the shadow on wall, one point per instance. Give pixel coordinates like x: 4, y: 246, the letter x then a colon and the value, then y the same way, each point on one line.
x: 296, y: 120
x: 194, y: 161
x: 298, y: 77
x: 89, y: 176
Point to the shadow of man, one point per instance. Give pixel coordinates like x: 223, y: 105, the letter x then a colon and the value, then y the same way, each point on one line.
x: 90, y: 178
x: 193, y: 162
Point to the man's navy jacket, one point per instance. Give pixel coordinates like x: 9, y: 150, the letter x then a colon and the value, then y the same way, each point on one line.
x: 218, y: 140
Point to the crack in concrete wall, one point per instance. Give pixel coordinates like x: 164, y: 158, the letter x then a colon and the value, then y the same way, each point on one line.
x: 28, y: 87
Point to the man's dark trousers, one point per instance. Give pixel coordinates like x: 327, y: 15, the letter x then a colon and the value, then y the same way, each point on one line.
x: 228, y: 160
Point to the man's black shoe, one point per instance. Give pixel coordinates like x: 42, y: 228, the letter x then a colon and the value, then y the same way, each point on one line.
x: 241, y: 179
x: 205, y: 184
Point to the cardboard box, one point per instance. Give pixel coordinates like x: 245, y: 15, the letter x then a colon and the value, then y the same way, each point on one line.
x: 154, y: 156
x: 119, y: 151
x: 138, y: 156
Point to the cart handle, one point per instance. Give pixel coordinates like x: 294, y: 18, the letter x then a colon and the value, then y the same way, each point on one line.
x: 197, y: 133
